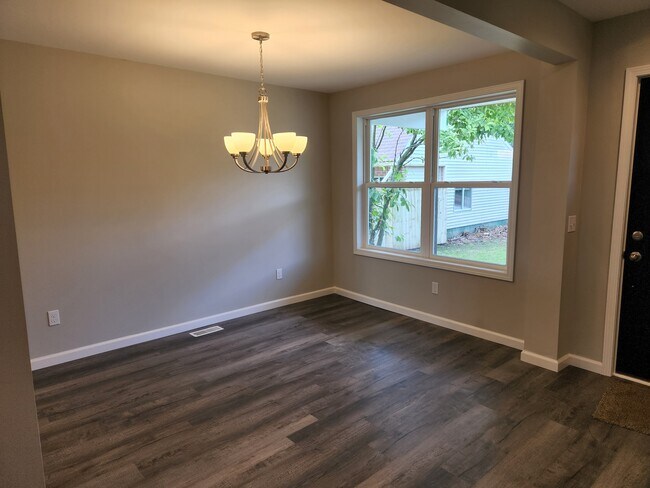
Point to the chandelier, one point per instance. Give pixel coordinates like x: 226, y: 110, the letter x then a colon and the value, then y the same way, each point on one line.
x: 265, y: 152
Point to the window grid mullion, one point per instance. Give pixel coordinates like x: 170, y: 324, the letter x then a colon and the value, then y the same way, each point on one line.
x: 426, y: 201
x: 396, y: 184
x: 366, y: 178
x: 433, y: 162
x: 366, y: 151
x: 473, y: 184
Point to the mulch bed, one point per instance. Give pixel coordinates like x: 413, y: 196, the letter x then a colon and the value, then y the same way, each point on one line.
x: 481, y: 234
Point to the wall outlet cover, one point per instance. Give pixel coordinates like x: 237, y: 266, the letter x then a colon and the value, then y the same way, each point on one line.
x: 53, y: 318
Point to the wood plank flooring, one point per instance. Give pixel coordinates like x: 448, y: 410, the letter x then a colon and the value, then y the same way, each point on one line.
x: 328, y: 393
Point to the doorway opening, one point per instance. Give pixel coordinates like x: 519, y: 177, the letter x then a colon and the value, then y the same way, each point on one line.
x: 627, y: 321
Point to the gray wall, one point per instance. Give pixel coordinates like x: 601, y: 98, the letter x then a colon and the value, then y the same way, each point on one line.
x: 131, y: 215
x: 618, y: 44
x: 21, y: 465
x: 528, y: 308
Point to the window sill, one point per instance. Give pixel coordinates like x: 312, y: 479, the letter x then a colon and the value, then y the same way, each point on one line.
x: 467, y: 267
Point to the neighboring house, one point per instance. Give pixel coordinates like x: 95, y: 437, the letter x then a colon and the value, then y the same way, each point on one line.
x: 459, y: 209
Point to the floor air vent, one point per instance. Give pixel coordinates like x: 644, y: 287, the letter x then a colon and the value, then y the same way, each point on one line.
x: 209, y: 330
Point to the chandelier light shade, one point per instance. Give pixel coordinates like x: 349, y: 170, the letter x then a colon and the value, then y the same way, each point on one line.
x: 265, y: 152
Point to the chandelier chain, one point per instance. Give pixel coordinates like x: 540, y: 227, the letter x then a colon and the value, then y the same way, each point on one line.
x: 262, y: 89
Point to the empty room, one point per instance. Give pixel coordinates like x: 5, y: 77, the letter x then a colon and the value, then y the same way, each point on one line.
x: 325, y: 243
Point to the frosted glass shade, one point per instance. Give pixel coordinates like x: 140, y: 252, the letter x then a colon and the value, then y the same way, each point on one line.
x: 229, y: 141
x: 284, y: 141
x: 266, y: 147
x: 300, y: 145
x: 244, y: 141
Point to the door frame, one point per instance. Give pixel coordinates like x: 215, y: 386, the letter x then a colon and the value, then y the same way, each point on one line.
x: 619, y: 224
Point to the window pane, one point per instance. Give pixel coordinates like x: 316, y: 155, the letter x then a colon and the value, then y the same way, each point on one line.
x: 397, y: 148
x: 476, y: 233
x: 476, y: 142
x: 458, y: 199
x: 394, y: 219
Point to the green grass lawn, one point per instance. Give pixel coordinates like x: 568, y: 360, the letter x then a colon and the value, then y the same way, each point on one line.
x: 492, y: 251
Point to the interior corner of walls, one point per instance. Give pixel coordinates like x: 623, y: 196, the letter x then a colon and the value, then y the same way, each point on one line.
x: 582, y: 362
x: 557, y: 365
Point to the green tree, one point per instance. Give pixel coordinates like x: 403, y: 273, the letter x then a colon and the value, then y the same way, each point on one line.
x: 470, y: 126
x: 466, y: 127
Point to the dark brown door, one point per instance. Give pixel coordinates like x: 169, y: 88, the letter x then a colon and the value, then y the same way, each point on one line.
x: 633, y: 353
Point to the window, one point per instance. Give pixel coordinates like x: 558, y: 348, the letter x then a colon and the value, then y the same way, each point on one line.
x: 436, y: 181
x: 463, y: 199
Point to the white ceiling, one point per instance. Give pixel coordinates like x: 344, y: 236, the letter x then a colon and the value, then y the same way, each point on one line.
x: 596, y: 10
x: 323, y: 45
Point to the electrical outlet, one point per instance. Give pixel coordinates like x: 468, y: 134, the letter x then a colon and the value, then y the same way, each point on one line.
x: 434, y: 287
x: 53, y: 318
x: 278, y: 274
x: 571, y: 227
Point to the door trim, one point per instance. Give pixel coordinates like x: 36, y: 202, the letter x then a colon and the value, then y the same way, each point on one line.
x: 621, y: 204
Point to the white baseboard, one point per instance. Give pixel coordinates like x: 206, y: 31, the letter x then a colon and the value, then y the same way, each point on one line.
x: 561, y: 363
x: 434, y: 319
x: 539, y: 360
x: 120, y: 342
x: 110, y: 345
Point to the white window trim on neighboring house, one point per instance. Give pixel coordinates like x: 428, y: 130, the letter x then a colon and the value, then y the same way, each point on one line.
x: 361, y: 181
x: 464, y: 192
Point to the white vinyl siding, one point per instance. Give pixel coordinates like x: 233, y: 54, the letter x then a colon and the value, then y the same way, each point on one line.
x: 486, y: 207
x: 493, y: 159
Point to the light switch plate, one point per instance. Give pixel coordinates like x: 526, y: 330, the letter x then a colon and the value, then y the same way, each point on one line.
x: 572, y: 225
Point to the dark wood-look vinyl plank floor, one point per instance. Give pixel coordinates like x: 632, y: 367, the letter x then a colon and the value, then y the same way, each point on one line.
x: 328, y: 393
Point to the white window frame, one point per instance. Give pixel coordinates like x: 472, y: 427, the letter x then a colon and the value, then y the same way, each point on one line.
x: 362, y: 181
